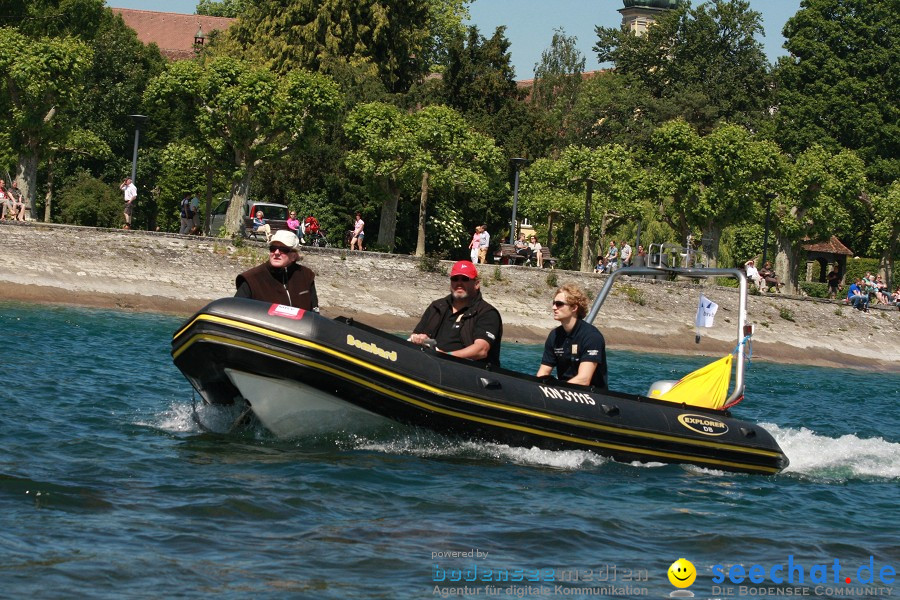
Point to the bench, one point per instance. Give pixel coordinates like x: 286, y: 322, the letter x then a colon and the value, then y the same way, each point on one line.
x: 507, y: 255
x: 274, y: 225
x: 546, y: 258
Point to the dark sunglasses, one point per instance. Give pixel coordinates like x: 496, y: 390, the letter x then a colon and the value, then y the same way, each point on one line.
x: 462, y: 278
x: 559, y: 303
x: 282, y: 249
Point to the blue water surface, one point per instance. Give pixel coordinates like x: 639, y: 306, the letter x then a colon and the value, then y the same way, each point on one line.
x: 109, y: 489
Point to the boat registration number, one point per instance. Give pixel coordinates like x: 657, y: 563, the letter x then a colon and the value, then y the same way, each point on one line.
x: 564, y: 394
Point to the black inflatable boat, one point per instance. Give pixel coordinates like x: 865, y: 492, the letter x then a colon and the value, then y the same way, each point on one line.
x: 300, y: 372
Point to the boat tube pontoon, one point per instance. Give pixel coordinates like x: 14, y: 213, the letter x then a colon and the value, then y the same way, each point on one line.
x: 302, y: 373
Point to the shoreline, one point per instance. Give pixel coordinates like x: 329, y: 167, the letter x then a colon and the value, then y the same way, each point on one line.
x: 617, y: 339
x: 178, y: 275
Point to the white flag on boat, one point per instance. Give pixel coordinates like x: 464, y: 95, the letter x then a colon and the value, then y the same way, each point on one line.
x: 706, y: 311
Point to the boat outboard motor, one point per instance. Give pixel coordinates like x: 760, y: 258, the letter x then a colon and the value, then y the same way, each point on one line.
x: 658, y: 388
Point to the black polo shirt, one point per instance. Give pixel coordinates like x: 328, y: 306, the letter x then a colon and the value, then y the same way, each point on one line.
x: 566, y: 351
x: 448, y: 339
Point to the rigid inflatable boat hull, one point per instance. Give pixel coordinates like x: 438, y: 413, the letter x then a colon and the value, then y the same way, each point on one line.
x: 314, y: 364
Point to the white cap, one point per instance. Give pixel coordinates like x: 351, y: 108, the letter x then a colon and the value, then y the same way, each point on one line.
x: 285, y: 238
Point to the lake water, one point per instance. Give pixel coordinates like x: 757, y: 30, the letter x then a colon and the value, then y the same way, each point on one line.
x: 108, y: 489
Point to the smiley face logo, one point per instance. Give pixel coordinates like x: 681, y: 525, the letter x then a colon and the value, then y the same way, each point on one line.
x: 682, y: 573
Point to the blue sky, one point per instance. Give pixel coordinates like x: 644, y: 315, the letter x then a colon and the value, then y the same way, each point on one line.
x: 530, y: 23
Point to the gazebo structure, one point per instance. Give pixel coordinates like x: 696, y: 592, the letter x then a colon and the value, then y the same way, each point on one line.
x: 826, y: 253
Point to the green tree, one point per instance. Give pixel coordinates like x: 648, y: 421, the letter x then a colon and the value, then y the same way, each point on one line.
x: 448, y: 154
x: 446, y: 20
x: 41, y: 79
x: 113, y: 89
x: 568, y: 185
x: 704, y: 62
x: 86, y: 200
x: 557, y: 83
x: 381, y: 148
x: 814, y: 203
x: 839, y: 85
x: 387, y: 37
x: 224, y: 8
x: 432, y: 149
x: 714, y: 181
x: 246, y: 113
x: 79, y: 142
x: 52, y: 18
x: 479, y: 82
x: 886, y: 228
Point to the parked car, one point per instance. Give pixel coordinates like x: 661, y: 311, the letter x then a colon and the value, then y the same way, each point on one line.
x: 275, y: 214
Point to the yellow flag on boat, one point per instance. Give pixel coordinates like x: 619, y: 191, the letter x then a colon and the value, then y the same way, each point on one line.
x: 706, y: 387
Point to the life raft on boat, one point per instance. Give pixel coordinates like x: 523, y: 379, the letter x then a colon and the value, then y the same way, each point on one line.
x: 300, y: 371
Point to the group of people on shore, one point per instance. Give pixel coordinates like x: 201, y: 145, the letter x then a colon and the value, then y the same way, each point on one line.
x: 616, y: 258
x: 764, y: 278
x: 190, y: 214
x: 871, y: 289
x: 478, y: 246
x: 530, y: 250
x: 13, y: 205
x: 462, y: 324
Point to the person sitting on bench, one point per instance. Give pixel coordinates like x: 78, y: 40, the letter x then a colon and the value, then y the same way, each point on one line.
x: 260, y: 225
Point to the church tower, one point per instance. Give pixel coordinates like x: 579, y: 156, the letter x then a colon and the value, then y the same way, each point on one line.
x: 638, y: 15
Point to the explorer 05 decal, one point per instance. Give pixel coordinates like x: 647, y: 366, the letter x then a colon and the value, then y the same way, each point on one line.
x: 703, y: 424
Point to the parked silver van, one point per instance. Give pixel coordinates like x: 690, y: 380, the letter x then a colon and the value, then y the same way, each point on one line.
x: 275, y: 214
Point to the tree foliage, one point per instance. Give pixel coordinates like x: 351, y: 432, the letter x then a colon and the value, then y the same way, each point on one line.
x: 52, y: 18
x: 432, y: 149
x: 223, y: 8
x: 704, y: 62
x: 41, y: 78
x: 839, y: 85
x: 246, y: 113
x: 89, y: 201
x: 596, y: 188
x: 557, y: 84
x: 886, y: 227
x: 387, y: 37
x: 815, y: 202
x: 711, y: 182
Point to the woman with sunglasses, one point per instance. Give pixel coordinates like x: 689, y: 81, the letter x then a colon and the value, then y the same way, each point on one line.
x: 293, y: 223
x: 576, y: 349
x: 281, y: 279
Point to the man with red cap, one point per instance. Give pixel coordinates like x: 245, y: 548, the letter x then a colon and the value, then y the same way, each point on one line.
x: 462, y: 324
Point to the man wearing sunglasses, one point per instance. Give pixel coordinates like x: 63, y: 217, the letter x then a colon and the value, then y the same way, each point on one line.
x: 281, y: 279
x: 462, y: 324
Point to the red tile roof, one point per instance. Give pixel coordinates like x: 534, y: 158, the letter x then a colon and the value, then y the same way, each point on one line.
x: 832, y: 246
x: 172, y: 32
x: 584, y: 75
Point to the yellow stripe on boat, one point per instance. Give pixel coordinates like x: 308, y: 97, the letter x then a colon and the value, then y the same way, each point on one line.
x: 461, y: 397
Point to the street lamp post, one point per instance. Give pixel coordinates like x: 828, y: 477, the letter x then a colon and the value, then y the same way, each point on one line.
x: 138, y: 121
x: 766, y: 232
x: 517, y: 164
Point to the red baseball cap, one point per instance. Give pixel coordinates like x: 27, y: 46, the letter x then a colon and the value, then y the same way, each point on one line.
x: 464, y: 267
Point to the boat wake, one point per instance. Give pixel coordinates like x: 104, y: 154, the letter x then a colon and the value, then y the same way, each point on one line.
x: 812, y: 455
x: 846, y: 457
x: 443, y: 447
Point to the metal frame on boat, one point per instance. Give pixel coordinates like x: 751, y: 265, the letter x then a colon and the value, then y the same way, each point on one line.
x: 301, y: 373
